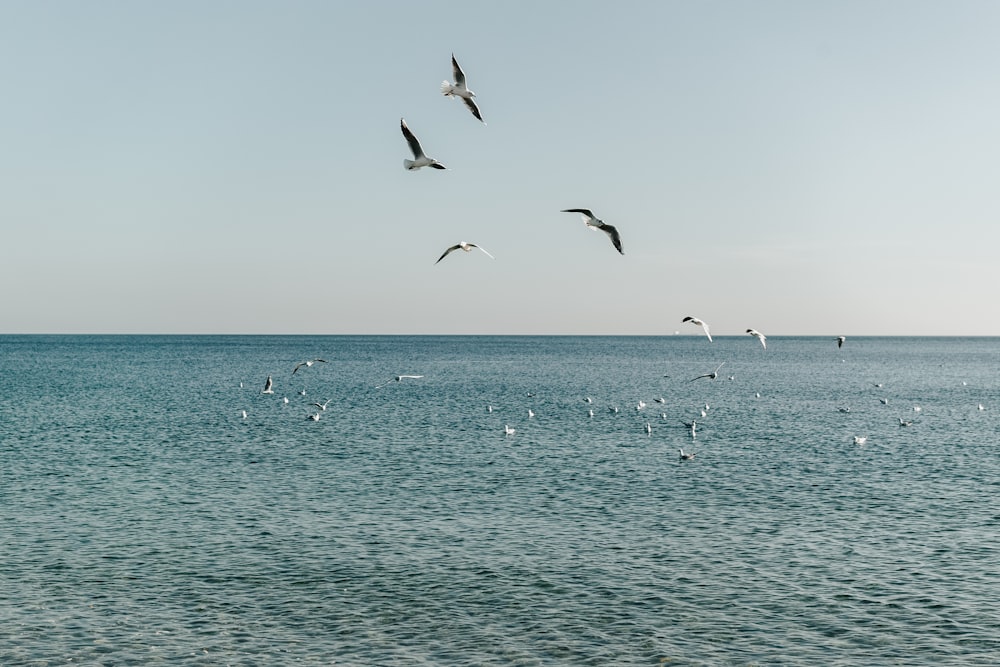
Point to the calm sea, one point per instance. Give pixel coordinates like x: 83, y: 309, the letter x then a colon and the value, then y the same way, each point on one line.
x: 144, y: 520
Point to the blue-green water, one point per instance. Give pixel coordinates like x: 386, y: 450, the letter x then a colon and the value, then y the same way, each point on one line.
x: 144, y: 521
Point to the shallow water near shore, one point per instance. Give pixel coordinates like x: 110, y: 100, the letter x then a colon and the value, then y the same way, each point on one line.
x: 144, y: 520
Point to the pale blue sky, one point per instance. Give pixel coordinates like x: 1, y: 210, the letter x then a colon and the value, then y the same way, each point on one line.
x: 236, y: 167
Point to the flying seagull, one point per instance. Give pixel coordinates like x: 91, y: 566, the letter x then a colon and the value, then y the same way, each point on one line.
x: 462, y: 245
x: 399, y: 378
x: 420, y: 160
x: 267, y: 386
x: 711, y: 376
x: 840, y: 341
x: 307, y: 364
x: 759, y: 336
x: 695, y: 320
x: 595, y: 223
x: 459, y: 89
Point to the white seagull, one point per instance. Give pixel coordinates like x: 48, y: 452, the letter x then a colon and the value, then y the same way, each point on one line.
x: 695, y: 320
x: 462, y: 245
x: 507, y: 430
x: 840, y: 341
x: 267, y: 386
x: 685, y: 456
x: 711, y: 376
x: 399, y: 378
x: 759, y: 336
x: 322, y: 406
x: 419, y: 159
x: 460, y: 89
x: 314, y: 417
x: 594, y: 223
x: 860, y: 439
x: 307, y: 364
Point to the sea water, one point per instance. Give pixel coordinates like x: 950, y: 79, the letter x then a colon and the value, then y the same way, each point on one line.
x: 144, y: 520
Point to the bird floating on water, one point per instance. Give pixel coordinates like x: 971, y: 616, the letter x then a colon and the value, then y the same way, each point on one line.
x: 711, y: 376
x: 313, y: 417
x: 507, y: 430
x: 268, y: 386
x: 458, y: 88
x: 904, y: 422
x: 759, y: 336
x: 462, y: 245
x: 307, y: 364
x: 595, y: 223
x: 695, y: 320
x: 685, y: 456
x: 419, y: 159
x: 860, y: 439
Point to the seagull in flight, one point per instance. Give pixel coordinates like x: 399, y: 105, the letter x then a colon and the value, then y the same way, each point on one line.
x: 695, y: 320
x: 307, y: 364
x: 419, y: 159
x: 322, y: 406
x: 462, y: 245
x: 759, y: 336
x: 399, y: 378
x: 595, y: 223
x: 711, y: 376
x: 460, y: 89
x: 840, y: 341
x: 267, y: 386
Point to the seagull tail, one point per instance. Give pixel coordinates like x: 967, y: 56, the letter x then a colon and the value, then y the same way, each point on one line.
x: 408, y: 164
x: 446, y: 89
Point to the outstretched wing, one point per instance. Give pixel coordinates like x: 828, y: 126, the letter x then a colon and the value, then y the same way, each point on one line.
x: 412, y: 140
x: 585, y: 211
x: 483, y: 249
x: 471, y: 103
x: 616, y: 238
x: 449, y: 251
x: 458, y: 73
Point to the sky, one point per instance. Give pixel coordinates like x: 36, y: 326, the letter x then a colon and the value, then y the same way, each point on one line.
x: 801, y: 168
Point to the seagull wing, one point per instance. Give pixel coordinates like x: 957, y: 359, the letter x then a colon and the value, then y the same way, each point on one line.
x: 412, y: 140
x: 616, y: 238
x: 586, y: 212
x: 450, y: 250
x: 483, y: 249
x: 297, y: 367
x: 471, y: 103
x: 457, y: 72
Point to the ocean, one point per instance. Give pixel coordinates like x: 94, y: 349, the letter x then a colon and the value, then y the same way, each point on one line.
x: 144, y: 520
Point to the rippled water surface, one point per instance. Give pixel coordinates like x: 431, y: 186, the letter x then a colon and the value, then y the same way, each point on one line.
x: 144, y: 520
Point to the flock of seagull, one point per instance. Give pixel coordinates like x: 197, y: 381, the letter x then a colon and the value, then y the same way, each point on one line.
x: 460, y: 89
x: 691, y: 426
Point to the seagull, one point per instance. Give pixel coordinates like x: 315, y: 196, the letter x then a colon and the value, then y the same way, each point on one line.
x: 844, y: 410
x: 640, y: 406
x: 267, y: 386
x: 916, y: 408
x: 840, y: 341
x: 649, y: 429
x: 489, y: 408
x: 322, y: 406
x: 588, y: 399
x: 462, y: 245
x: 981, y: 407
x: 860, y: 439
x: 711, y: 376
x: 459, y: 89
x: 314, y: 417
x: 507, y: 430
x: 884, y: 401
x: 685, y: 456
x: 531, y: 413
x: 903, y: 422
x: 695, y: 320
x: 590, y: 412
x: 759, y: 336
x: 399, y: 378
x: 594, y: 223
x: 660, y: 400
x: 244, y: 413
x: 307, y: 364
x: 284, y: 401
x: 420, y: 160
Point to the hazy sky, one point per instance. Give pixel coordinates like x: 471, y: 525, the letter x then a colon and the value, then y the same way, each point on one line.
x: 236, y: 167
